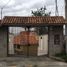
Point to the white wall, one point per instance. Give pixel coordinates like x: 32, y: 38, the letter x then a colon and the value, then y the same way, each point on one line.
x: 43, y: 45
x: 11, y: 45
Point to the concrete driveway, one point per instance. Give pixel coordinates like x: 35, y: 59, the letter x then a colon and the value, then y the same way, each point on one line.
x: 31, y: 62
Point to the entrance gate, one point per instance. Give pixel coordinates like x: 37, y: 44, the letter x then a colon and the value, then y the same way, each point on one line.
x: 55, y: 35
x: 28, y: 41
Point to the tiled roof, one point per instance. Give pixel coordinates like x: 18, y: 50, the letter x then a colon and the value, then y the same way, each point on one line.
x: 0, y: 20
x: 17, y: 39
x: 22, y: 38
x: 33, y: 20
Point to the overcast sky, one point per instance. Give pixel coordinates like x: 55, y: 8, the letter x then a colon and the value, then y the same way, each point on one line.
x: 24, y: 7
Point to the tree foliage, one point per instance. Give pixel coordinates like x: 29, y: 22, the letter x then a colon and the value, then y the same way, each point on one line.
x: 41, y: 12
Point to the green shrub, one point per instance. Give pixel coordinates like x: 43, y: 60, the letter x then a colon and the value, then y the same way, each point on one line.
x: 62, y: 55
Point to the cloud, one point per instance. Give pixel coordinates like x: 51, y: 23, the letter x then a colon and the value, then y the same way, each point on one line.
x: 6, y: 3
x: 24, y: 7
x: 50, y: 2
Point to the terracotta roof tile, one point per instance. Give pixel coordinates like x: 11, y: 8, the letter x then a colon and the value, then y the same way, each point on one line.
x: 22, y: 39
x: 33, y: 20
x: 0, y: 21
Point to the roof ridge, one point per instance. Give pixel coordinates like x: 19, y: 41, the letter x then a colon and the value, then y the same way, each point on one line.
x: 32, y: 16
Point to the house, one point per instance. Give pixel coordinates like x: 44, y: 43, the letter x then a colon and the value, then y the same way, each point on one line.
x: 23, y: 41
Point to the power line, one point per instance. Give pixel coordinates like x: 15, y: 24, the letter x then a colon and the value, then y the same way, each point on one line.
x: 4, y: 7
x: 6, y: 4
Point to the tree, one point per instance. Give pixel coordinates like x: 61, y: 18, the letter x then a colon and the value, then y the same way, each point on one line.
x: 41, y: 12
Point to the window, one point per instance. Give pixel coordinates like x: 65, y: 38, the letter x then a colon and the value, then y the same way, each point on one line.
x: 57, y: 39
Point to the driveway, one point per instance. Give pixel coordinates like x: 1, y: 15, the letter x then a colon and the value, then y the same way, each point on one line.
x: 31, y: 62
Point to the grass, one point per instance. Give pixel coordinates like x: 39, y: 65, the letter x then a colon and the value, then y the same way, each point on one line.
x: 62, y: 55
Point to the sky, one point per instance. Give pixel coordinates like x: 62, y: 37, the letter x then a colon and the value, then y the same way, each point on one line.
x: 24, y: 7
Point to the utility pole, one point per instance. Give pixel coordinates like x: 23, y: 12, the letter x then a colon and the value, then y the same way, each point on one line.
x: 1, y: 13
x: 56, y: 9
x: 66, y: 9
x: 3, y: 8
x: 66, y: 25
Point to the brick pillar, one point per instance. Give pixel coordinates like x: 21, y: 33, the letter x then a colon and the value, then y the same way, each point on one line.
x: 66, y: 41
x: 54, y: 47
x: 3, y: 41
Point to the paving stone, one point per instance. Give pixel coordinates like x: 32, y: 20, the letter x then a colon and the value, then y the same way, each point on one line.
x: 28, y: 62
x: 3, y: 64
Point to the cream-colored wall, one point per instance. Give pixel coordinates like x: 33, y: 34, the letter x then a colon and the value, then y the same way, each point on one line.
x: 11, y: 45
x: 43, y: 45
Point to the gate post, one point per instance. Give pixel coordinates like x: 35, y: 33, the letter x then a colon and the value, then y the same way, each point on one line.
x: 28, y: 41
x: 3, y: 41
x: 66, y: 38
x: 55, y: 40
x: 66, y: 24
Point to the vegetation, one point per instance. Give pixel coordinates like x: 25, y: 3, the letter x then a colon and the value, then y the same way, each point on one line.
x: 62, y: 56
x: 41, y: 12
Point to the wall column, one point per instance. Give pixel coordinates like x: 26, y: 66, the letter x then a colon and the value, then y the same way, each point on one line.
x: 66, y: 25
x: 3, y: 41
x: 55, y: 40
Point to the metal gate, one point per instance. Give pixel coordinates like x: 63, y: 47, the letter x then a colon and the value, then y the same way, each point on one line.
x: 26, y: 41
